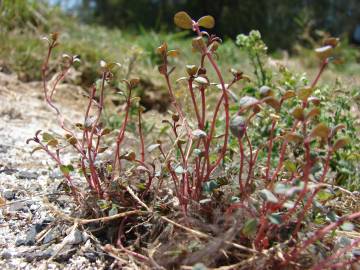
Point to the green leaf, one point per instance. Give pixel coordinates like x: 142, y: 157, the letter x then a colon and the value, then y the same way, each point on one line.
x: 152, y: 147
x: 191, y: 69
x: 210, y: 186
x: 290, y: 166
x: 324, y: 52
x: 66, y: 169
x: 281, y: 188
x: 207, y: 22
x: 265, y: 91
x: 113, y: 211
x: 322, y: 195
x: 179, y: 170
x: 201, y: 81
x: 273, y: 103
x: 72, y: 140
x: 314, y: 112
x: 321, y: 130
x: 53, y: 142
x: 268, y: 196
x: 183, y: 20
x: 298, y: 113
x: 288, y: 94
x: 247, y: 101
x: 198, y: 133
x: 36, y: 149
x: 347, y: 226
x: 47, y: 137
x: 250, y: 227
x: 275, y: 218
x: 340, y: 143
x: 304, y: 93
x: 294, y: 137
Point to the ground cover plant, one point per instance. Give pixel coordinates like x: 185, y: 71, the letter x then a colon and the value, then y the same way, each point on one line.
x: 241, y: 175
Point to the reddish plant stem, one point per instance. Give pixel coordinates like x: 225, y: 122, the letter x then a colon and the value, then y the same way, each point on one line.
x: 59, y: 163
x: 142, y: 144
x: 281, y: 159
x: 121, y: 135
x: 323, y: 65
x: 262, y: 230
x: 311, y: 199
x: 328, y: 264
x: 241, y: 166
x: 203, y: 107
x: 320, y: 233
x: 251, y: 162
x: 91, y: 152
x: 270, y: 150
x: 199, y: 120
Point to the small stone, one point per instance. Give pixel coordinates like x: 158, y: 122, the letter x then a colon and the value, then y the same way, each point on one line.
x: 56, y: 175
x: 27, y: 175
x: 52, y: 235
x: 18, y: 207
x: 3, y: 148
x: 8, y: 171
x: 91, y: 256
x: 74, y: 238
x: 9, y: 195
x: 19, y: 242
x: 5, y: 255
x: 66, y: 253
x: 37, y: 255
x: 30, y: 237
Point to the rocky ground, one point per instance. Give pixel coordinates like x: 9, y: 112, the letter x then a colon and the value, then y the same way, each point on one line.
x: 31, y: 236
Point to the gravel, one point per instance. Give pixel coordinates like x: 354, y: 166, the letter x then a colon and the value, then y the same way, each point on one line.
x: 29, y: 232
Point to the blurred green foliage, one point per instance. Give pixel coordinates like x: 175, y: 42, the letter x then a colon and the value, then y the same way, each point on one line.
x: 280, y: 21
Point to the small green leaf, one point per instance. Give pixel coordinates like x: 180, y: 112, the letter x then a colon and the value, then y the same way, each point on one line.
x: 66, y: 169
x: 179, y: 170
x: 113, y: 211
x: 53, y: 143
x: 152, y: 147
x: 265, y: 91
x: 191, y: 69
x: 314, y: 112
x: 304, y: 93
x: 47, y: 137
x: 298, y: 113
x: 173, y: 53
x: 102, y: 149
x: 268, y: 196
x: 198, y: 133
x: 288, y: 94
x: 201, y: 81
x: 198, y: 44
x: 340, y: 143
x: 323, y: 195
x: 324, y: 52
x: 183, y: 20
x: 105, y: 131
x: 207, y: 22
x: 273, y: 102
x: 321, y: 130
x: 250, y: 227
x: 210, y: 186
x: 72, y: 140
x: 294, y: 137
x: 275, y: 218
x: 347, y: 226
x: 36, y: 149
x: 290, y: 166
